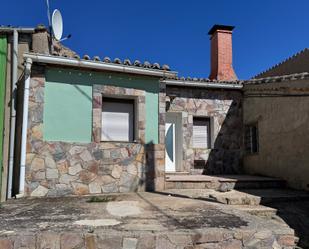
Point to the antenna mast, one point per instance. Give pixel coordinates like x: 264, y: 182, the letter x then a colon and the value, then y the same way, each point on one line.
x: 49, y: 28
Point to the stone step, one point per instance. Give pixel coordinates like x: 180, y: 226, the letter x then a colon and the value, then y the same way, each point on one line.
x: 251, y: 197
x: 278, y: 195
x: 177, y: 173
x: 258, y: 210
x: 222, y: 183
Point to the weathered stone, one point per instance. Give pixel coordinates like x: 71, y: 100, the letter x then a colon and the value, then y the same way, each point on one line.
x: 76, y: 150
x: 231, y: 244
x: 37, y: 164
x: 264, y: 234
x: 24, y: 242
x: 63, y: 167
x: 98, y: 155
x: 71, y: 241
x: 37, y: 132
x: 208, y: 237
x: 286, y: 240
x: 110, y: 188
x: 94, y: 188
x: 39, y: 191
x: 90, y: 241
x: 146, y: 242
x: 40, y: 175
x: 124, y: 152
x: 163, y: 242
x: 140, y: 157
x: 116, y: 172
x: 6, y: 244
x: 86, y: 156
x: 51, y: 173
x: 50, y: 163
x: 49, y: 240
x: 73, y: 170
x: 115, y: 154
x: 59, y: 156
x: 128, y: 182
x: 180, y: 239
x: 97, y: 222
x: 29, y: 158
x: 93, y: 167
x: 67, y: 179
x: 86, y: 177
x: 109, y: 242
x: 62, y: 190
x: 131, y: 169
x: 80, y: 189
x: 129, y: 243
x: 106, y: 179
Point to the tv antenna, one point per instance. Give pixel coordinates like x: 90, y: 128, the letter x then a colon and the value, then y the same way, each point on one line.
x: 55, y: 23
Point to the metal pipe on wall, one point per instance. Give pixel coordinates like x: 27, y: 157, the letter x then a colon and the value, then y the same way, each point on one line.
x: 24, y: 128
x: 13, y: 111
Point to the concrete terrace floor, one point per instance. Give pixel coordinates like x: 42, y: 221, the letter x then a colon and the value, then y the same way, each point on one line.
x: 135, y: 221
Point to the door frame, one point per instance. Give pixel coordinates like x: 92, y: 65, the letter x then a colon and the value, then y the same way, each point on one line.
x: 176, y: 117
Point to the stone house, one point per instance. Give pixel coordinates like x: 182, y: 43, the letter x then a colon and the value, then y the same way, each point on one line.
x: 101, y: 126
x: 95, y: 126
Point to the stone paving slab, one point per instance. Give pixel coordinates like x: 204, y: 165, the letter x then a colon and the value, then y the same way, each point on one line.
x: 220, y: 178
x: 135, y: 221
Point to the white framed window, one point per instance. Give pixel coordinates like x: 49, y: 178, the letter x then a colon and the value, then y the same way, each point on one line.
x: 251, y: 139
x: 118, y: 120
x: 201, y: 132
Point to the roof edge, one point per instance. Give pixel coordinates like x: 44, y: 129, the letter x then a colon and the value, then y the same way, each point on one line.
x: 273, y: 79
x: 204, y: 84
x: 280, y: 63
x: 98, y: 65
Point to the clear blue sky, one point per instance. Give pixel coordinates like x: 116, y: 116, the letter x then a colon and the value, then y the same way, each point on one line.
x: 175, y: 32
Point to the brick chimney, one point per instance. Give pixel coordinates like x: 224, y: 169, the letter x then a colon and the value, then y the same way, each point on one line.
x: 221, y: 53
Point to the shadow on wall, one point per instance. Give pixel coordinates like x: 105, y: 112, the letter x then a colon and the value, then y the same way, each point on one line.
x: 225, y: 156
x: 150, y: 173
x: 224, y: 108
x: 19, y: 96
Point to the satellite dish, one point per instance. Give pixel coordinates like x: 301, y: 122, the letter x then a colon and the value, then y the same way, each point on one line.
x: 57, y: 24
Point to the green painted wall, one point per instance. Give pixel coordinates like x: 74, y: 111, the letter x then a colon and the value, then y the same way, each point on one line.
x: 68, y: 103
x: 3, y: 55
x: 67, y: 112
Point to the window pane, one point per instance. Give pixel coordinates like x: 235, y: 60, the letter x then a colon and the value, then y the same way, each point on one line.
x: 117, y: 120
x: 251, y: 139
x: 201, y: 133
x: 254, y: 139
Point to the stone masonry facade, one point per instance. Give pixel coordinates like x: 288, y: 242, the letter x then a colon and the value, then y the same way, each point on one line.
x: 66, y: 168
x: 62, y: 168
x: 225, y: 110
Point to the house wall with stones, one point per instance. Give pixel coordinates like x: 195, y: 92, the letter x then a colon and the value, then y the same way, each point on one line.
x: 58, y: 168
x: 224, y: 107
x: 281, y: 112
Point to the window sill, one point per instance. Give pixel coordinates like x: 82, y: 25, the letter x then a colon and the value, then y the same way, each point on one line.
x: 123, y: 142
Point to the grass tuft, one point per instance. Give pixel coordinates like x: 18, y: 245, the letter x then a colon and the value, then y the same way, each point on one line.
x: 101, y: 199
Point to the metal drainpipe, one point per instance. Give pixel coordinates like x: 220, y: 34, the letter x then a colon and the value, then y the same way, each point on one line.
x: 13, y: 111
x: 24, y: 128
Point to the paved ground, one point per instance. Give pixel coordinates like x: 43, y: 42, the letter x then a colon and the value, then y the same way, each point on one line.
x: 137, y: 220
x: 221, y: 178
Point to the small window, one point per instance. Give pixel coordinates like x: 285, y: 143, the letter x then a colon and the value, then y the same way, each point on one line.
x: 251, y: 139
x: 117, y: 120
x: 201, y: 132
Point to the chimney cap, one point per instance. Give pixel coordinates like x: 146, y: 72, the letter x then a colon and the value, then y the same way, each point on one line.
x: 221, y: 27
